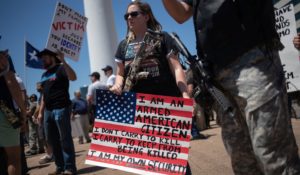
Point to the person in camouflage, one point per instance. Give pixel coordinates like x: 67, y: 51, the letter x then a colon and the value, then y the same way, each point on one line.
x: 259, y: 139
x: 246, y: 65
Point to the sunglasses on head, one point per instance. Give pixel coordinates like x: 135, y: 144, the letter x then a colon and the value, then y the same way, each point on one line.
x: 132, y: 14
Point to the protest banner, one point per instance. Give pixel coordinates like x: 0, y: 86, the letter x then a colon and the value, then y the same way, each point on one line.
x: 141, y: 133
x: 286, y: 28
x: 66, y: 33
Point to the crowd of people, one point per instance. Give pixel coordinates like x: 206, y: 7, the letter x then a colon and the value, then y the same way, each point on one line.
x: 244, y: 61
x: 45, y: 123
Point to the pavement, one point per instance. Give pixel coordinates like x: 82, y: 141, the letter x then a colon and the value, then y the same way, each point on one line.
x: 207, y: 157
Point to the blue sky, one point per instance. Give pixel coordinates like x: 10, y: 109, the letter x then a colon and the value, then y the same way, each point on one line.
x: 31, y: 20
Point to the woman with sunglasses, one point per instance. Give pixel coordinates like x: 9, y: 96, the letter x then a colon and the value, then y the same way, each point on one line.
x: 166, y: 76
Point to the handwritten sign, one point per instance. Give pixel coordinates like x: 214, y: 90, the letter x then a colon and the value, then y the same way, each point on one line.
x: 141, y: 133
x: 67, y: 31
x: 286, y: 28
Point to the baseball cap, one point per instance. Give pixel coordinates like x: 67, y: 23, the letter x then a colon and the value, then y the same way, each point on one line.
x: 107, y: 68
x: 95, y: 74
x: 33, y: 96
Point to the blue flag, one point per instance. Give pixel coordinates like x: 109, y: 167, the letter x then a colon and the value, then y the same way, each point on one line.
x: 31, y: 59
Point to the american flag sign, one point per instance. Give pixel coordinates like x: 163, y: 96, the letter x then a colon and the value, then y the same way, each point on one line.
x: 141, y: 133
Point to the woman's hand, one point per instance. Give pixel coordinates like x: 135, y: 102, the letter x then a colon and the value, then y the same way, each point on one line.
x: 116, y: 89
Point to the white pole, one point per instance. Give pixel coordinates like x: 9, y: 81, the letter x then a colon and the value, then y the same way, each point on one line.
x: 101, y: 34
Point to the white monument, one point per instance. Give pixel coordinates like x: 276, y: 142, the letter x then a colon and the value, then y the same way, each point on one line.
x: 101, y: 34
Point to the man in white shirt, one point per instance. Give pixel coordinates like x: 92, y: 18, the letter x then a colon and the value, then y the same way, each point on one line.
x: 96, y: 84
x: 91, y: 94
x: 108, y: 71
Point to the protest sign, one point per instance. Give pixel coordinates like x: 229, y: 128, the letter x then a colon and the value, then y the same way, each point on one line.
x: 286, y: 28
x: 67, y: 31
x: 141, y: 133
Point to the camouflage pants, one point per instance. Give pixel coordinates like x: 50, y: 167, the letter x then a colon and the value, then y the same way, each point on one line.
x: 259, y: 139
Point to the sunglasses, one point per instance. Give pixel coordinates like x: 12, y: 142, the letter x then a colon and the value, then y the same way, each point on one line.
x: 132, y: 14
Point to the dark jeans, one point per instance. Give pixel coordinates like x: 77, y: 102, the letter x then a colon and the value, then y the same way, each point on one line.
x: 58, y: 134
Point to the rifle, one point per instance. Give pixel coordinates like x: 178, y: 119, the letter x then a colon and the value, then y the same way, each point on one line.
x: 203, y: 78
x: 150, y: 41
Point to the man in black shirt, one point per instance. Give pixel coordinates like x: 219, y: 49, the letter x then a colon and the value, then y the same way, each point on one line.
x: 238, y: 39
x: 55, y: 108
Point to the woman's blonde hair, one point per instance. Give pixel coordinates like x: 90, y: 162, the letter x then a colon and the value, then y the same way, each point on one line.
x: 152, y: 23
